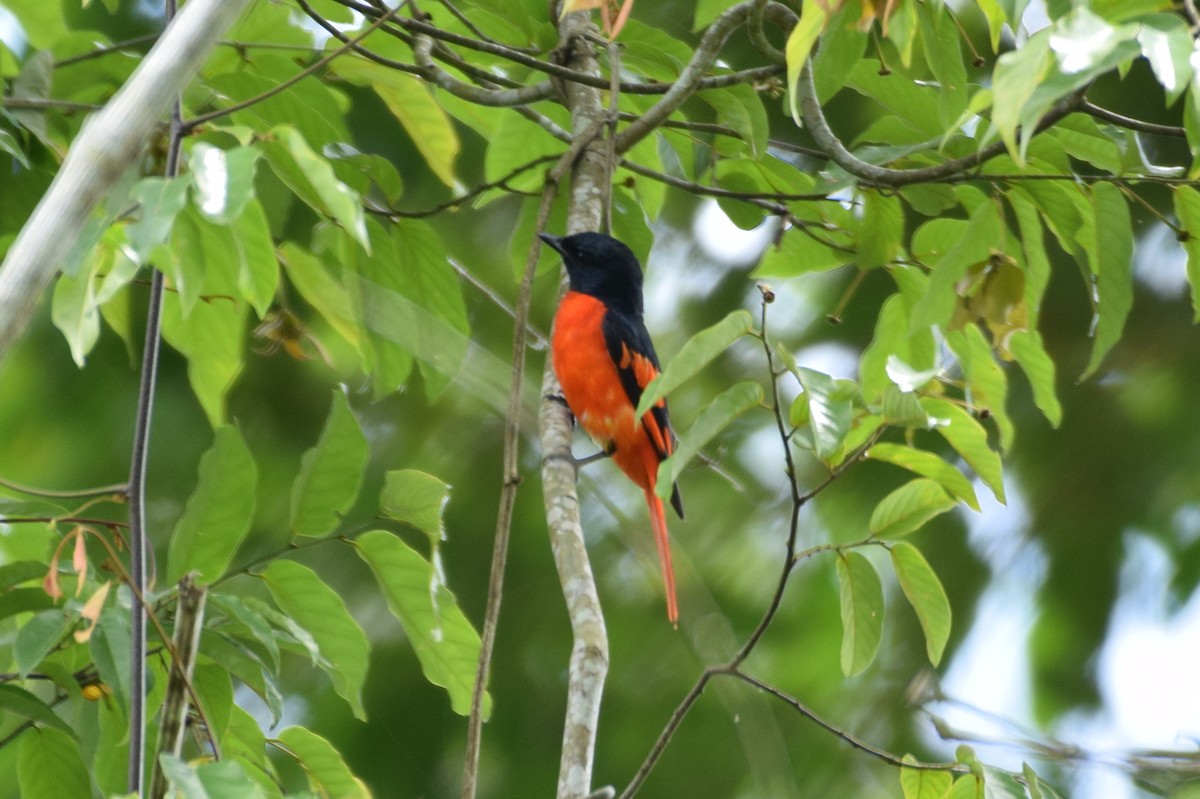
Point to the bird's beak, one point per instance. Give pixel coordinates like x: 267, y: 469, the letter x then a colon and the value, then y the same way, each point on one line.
x: 553, y: 241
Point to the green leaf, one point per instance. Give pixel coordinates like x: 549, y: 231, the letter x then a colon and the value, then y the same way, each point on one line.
x: 159, y: 201
x: 1016, y: 77
x: 445, y: 642
x: 973, y: 246
x: 331, y: 473
x: 987, y: 386
x: 316, y: 607
x: 1030, y: 353
x: 218, y: 780
x: 925, y: 593
x: 223, y: 180
x: 740, y: 107
x: 969, y: 440
x: 33, y: 82
x: 842, y: 45
x: 257, y: 268
x: 9, y: 144
x: 214, y: 685
x: 311, y: 177
x: 327, y: 771
x: 1036, y: 264
x: 1113, y: 265
x: 719, y: 413
x: 967, y: 786
x: 1082, y: 138
x: 415, y: 108
x: 22, y: 703
x: 1166, y: 43
x: 909, y: 507
x: 36, y: 637
x: 926, y: 464
x: 75, y: 313
x: 218, y: 514
x: 830, y: 412
x: 894, y: 343
x: 901, y: 29
x: 25, y: 600
x: 940, y: 40
x: 436, y: 325
x: 708, y: 10
x: 862, y: 611
x: 515, y: 142
x: 320, y: 290
x: 42, y: 24
x: 914, y: 104
x: 49, y: 766
x: 799, y: 253
x: 409, y: 299
x: 22, y: 571
x: 903, y: 408
x: 109, y: 648
x: 199, y: 258
x: 1187, y: 208
x: 813, y: 17
x: 211, y: 339
x: 698, y: 352
x: 416, y: 498
x: 882, y: 230
x: 924, y: 783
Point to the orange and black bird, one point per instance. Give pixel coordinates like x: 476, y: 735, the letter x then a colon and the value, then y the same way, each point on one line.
x: 604, y: 360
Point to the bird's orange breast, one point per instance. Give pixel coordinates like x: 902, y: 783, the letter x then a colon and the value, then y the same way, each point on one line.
x: 589, y: 379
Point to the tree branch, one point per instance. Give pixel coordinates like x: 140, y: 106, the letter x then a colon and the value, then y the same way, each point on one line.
x: 827, y: 140
x: 422, y: 54
x: 589, y: 653
x: 512, y: 475
x: 519, y: 56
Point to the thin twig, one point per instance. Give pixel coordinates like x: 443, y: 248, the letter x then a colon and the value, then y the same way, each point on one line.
x: 47, y: 104
x: 139, y: 541
x: 854, y: 741
x: 115, y: 488
x: 790, y: 559
x: 115, y: 47
x: 1141, y: 126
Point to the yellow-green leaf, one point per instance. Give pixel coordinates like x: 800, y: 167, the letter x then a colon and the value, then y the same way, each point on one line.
x: 697, y: 353
x: 862, y: 611
x: 317, y: 608
x: 925, y: 593
x: 415, y: 108
x: 445, y: 642
x: 908, y: 507
x: 1113, y: 265
x: 926, y: 464
x: 330, y: 473
x: 813, y: 17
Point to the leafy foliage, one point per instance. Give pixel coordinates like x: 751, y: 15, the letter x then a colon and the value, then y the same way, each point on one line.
x: 334, y: 231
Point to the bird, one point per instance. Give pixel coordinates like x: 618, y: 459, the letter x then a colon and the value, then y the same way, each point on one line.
x: 604, y: 359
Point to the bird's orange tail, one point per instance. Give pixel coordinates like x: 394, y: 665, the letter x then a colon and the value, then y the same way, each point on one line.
x: 658, y: 521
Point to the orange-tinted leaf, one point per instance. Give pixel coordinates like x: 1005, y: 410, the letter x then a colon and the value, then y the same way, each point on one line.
x: 91, y: 613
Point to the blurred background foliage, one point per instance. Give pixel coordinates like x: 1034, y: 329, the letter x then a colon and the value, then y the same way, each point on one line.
x: 1122, y: 468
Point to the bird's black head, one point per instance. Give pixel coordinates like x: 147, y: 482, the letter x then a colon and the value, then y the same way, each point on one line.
x: 603, y: 267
